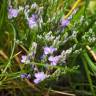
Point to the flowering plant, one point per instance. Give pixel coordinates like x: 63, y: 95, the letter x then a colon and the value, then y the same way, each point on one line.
x: 44, y: 44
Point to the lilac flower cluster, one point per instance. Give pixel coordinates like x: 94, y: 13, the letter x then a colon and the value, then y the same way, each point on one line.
x: 49, y: 50
x: 40, y: 76
x: 65, y: 22
x: 54, y: 60
x: 32, y: 22
x: 25, y: 59
x: 12, y: 13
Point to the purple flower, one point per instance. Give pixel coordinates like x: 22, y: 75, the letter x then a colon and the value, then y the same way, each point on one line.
x: 24, y: 75
x: 25, y: 59
x: 12, y: 13
x: 40, y: 76
x: 32, y: 22
x: 65, y: 22
x: 54, y: 60
x: 49, y: 50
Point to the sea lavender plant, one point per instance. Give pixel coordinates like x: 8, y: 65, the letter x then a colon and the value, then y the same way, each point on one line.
x: 60, y: 38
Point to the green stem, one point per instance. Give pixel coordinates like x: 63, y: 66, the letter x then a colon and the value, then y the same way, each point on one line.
x: 3, y: 12
x: 9, y: 62
x: 57, y: 67
x: 90, y: 63
x: 89, y: 77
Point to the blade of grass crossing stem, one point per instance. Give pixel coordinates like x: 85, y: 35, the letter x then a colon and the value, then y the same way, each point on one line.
x: 72, y: 9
